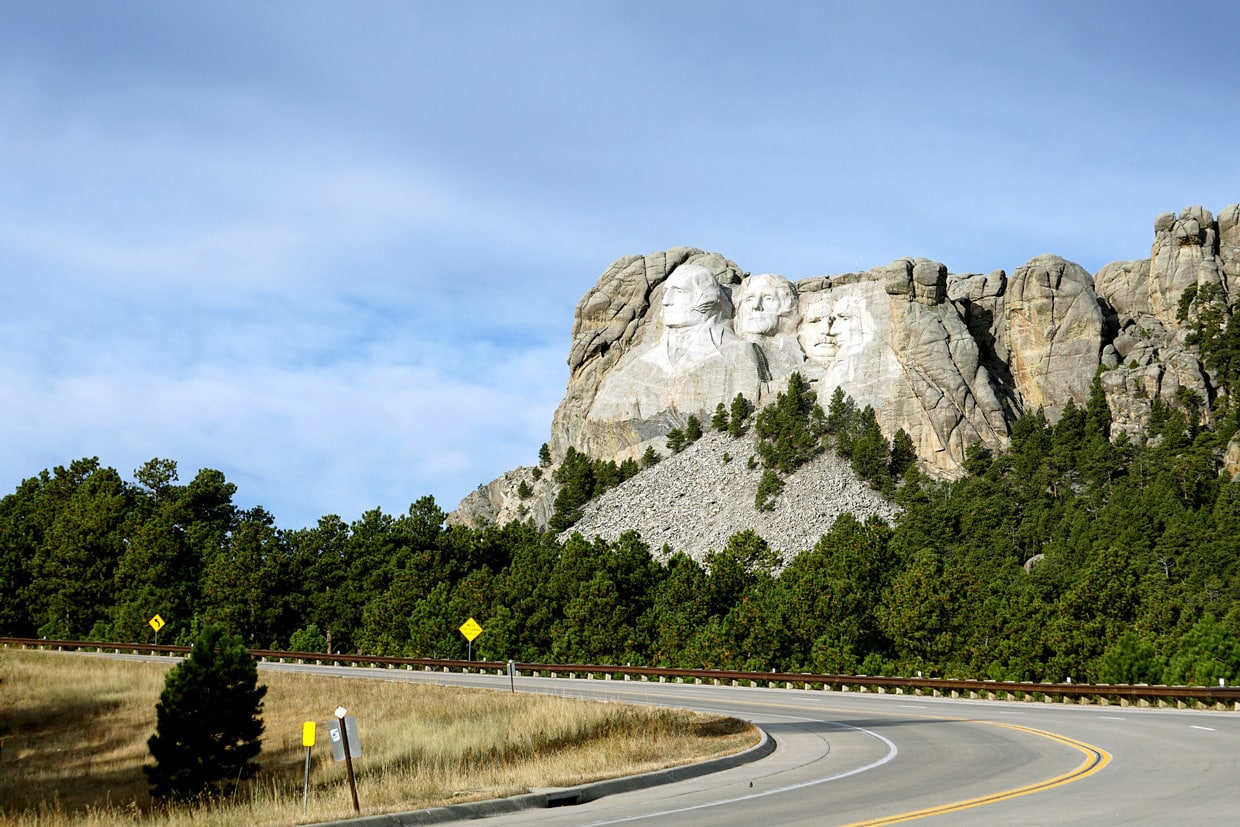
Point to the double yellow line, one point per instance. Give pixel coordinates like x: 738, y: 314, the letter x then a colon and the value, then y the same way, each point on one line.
x: 1095, y: 760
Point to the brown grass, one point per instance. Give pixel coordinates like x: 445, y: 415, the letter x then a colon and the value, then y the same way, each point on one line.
x: 74, y: 732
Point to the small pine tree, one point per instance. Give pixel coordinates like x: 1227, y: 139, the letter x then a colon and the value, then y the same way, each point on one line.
x: 209, y: 723
x: 741, y: 409
x: 544, y: 456
x: 839, y: 412
x: 1130, y: 660
x: 651, y: 457
x: 525, y: 490
x: 719, y: 421
x: 693, y: 429
x: 577, y: 486
x: 1097, y: 412
x: 675, y: 440
x: 977, y: 459
x: 1158, y: 416
x: 606, y: 475
x: 308, y: 639
x: 870, y: 451
x: 789, y: 431
x: 903, y: 454
x: 1068, y: 435
x: 769, y: 487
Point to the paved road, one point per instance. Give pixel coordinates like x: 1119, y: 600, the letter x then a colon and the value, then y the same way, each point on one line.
x: 848, y: 759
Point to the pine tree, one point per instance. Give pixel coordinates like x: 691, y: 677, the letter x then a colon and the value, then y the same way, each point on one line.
x: 1097, y: 412
x: 789, y: 431
x: 675, y: 440
x: 903, y: 454
x: 741, y: 409
x: 693, y: 429
x: 977, y: 459
x: 719, y: 420
x: 577, y: 486
x: 871, y: 451
x: 769, y: 487
x: 606, y: 475
x: 839, y: 412
x: 209, y: 722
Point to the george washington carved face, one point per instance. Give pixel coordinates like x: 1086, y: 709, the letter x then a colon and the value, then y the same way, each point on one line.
x: 692, y: 296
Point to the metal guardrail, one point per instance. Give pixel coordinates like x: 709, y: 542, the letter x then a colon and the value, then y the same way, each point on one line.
x: 1221, y: 697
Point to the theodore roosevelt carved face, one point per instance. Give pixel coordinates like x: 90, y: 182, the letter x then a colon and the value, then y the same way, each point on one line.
x: 833, y: 327
x: 762, y: 301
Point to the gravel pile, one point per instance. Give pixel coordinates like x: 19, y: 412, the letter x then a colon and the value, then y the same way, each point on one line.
x: 695, y: 500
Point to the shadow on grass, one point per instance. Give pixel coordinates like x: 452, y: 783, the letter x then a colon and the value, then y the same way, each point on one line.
x: 58, y: 753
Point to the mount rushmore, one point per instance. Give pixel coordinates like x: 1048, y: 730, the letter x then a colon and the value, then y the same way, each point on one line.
x: 952, y: 359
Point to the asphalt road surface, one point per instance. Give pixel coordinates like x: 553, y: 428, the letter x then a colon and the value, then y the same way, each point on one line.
x: 852, y: 758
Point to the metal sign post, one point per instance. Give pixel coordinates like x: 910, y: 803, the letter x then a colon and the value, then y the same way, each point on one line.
x: 156, y: 623
x: 512, y: 676
x: 307, y: 741
x: 470, y: 629
x: 348, y: 757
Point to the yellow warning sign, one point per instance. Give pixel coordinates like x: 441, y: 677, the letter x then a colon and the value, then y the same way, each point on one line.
x: 470, y: 629
x: 156, y: 622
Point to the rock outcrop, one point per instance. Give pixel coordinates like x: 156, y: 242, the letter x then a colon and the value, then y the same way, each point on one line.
x: 1052, y: 335
x: 952, y: 360
x: 613, y: 319
x: 1147, y: 355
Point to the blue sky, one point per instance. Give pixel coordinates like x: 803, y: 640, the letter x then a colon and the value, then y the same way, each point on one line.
x: 333, y: 250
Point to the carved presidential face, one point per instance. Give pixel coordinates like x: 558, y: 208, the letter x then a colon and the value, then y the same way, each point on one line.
x: 762, y: 301
x: 833, y: 327
x: 692, y: 296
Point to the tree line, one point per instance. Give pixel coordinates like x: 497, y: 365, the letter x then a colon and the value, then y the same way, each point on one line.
x: 1070, y: 555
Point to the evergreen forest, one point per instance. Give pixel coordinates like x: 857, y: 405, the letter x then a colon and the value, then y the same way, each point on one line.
x: 1070, y: 556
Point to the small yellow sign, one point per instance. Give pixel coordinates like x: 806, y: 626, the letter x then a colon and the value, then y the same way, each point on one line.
x: 470, y: 629
x: 307, y: 734
x: 156, y: 622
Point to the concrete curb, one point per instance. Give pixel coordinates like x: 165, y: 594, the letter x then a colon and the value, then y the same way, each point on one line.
x: 562, y: 797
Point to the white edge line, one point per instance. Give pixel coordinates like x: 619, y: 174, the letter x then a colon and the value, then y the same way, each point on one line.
x: 892, y: 751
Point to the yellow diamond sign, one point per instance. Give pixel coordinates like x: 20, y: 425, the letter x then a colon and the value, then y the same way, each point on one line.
x: 156, y: 622
x: 470, y: 629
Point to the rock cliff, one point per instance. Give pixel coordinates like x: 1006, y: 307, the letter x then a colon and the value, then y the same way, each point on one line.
x: 952, y: 359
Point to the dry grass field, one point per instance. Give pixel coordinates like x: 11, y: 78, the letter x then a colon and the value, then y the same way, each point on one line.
x: 74, y: 730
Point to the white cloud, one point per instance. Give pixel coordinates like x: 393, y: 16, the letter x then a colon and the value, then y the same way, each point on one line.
x: 345, y: 276
x: 308, y: 442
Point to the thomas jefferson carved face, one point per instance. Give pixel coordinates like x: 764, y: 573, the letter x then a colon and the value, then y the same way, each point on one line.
x: 832, y: 328
x: 692, y: 296
x: 762, y: 301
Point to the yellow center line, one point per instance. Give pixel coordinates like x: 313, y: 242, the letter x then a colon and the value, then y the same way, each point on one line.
x: 1095, y: 760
